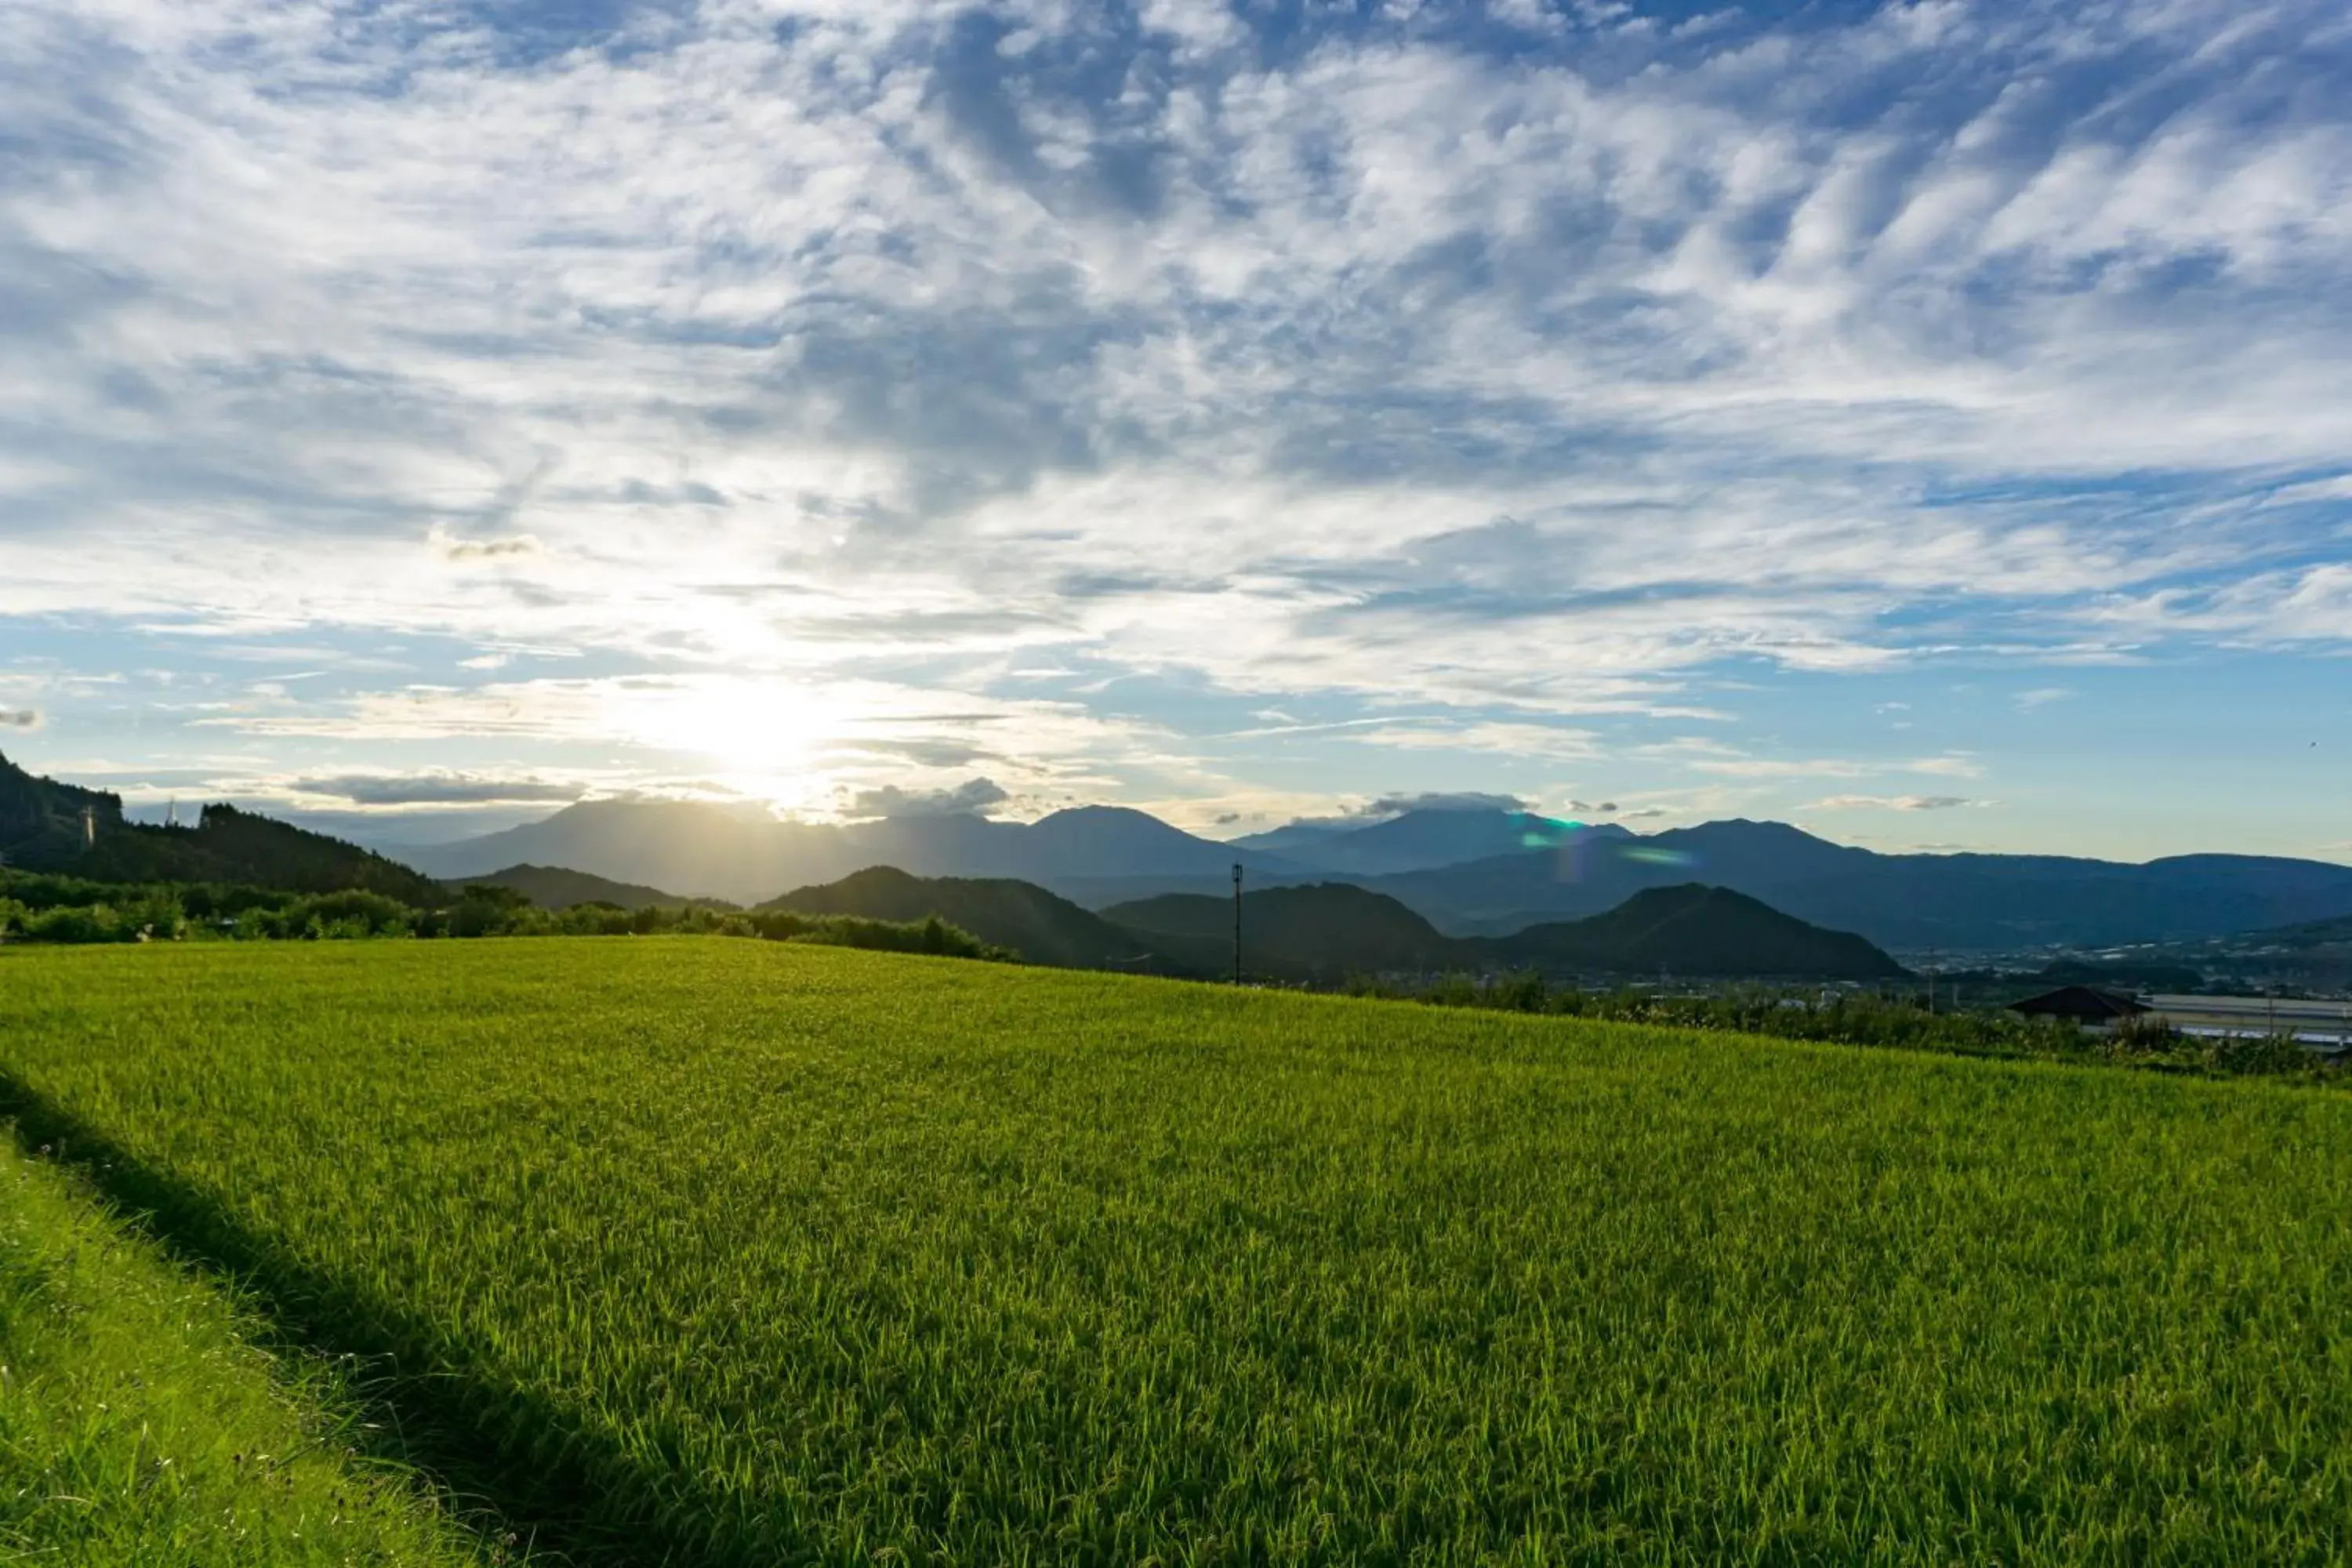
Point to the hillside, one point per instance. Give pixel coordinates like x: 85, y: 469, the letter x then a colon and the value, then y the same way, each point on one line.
x: 2311, y: 955
x: 1693, y: 929
x: 2307, y: 935
x: 45, y: 825
x: 556, y: 887
x: 1037, y: 924
x: 1324, y: 931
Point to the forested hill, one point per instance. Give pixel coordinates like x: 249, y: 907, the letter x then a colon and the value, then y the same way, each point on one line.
x: 555, y: 887
x: 1323, y: 932
x: 1691, y: 930
x: 1333, y: 928
x: 1041, y: 926
x: 45, y: 825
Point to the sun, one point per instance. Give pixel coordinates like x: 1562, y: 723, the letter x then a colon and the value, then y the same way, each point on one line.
x: 764, y: 737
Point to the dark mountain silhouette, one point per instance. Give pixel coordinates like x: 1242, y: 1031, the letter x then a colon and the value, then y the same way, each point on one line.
x: 1320, y: 932
x: 1103, y: 856
x: 725, y: 852
x: 45, y: 825
x: 1691, y: 930
x: 1957, y: 901
x: 555, y: 887
x: 1420, y: 840
x: 1330, y: 930
x: 1034, y: 923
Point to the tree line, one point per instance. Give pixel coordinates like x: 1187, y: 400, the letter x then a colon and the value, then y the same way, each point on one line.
x: 43, y: 907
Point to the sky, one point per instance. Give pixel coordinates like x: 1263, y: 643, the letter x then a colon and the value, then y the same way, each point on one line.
x: 1928, y: 424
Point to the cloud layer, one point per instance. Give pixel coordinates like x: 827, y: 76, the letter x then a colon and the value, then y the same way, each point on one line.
x: 1460, y: 370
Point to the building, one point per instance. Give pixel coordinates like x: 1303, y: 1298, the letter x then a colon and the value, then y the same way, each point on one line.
x: 2083, y: 1003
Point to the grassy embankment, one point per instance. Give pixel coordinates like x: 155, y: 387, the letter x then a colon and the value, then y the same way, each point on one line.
x: 139, y: 1426
x: 739, y: 1253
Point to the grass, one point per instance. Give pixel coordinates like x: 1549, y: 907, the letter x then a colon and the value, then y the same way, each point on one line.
x: 732, y: 1253
x: 138, y: 1424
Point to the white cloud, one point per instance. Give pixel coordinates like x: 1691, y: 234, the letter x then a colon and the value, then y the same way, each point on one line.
x: 1888, y: 803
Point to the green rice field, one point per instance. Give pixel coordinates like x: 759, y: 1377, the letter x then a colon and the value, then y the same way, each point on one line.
x: 695, y: 1251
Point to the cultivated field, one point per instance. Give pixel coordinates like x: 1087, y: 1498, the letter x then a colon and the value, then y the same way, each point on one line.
x: 738, y: 1253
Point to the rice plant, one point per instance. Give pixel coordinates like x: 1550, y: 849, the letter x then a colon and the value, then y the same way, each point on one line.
x: 738, y: 1253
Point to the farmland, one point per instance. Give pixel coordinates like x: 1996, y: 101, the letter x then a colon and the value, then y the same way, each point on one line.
x: 742, y: 1253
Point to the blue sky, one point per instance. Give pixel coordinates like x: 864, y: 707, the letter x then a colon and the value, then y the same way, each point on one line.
x: 1930, y: 424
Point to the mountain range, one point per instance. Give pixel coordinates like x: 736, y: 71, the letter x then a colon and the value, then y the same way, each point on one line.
x: 1962, y: 901
x: 695, y: 849
x: 1546, y: 870
x: 1324, y: 931
x: 1520, y: 870
x: 1422, y: 840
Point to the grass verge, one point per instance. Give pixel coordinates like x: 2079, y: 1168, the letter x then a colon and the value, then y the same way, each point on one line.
x: 140, y: 1426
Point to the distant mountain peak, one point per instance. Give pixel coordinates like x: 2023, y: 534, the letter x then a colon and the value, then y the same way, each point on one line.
x: 1107, y: 816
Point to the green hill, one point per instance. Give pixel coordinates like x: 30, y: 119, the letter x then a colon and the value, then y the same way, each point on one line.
x: 560, y: 888
x: 1042, y: 927
x: 1320, y: 932
x: 1691, y: 930
x: 45, y: 825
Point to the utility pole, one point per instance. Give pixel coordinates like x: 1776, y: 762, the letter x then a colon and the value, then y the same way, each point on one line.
x: 1237, y: 922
